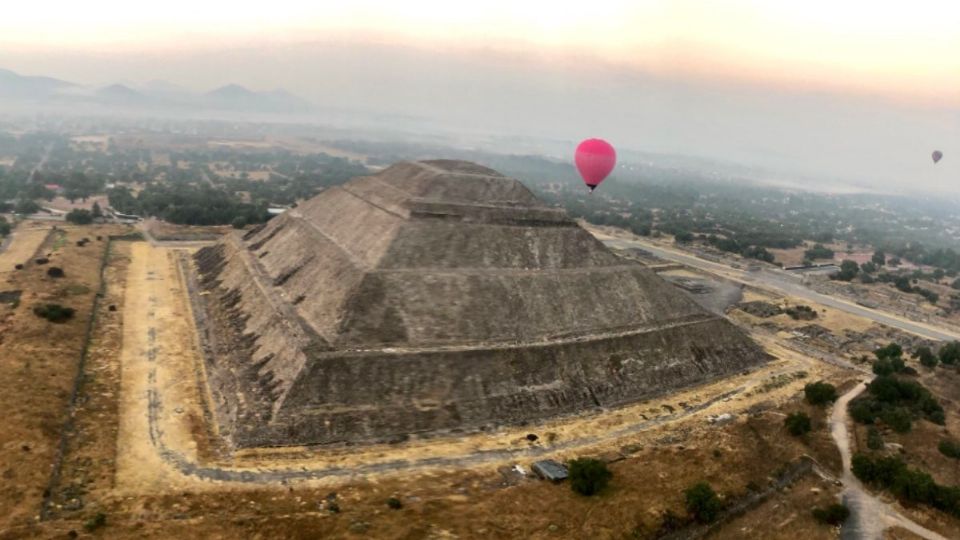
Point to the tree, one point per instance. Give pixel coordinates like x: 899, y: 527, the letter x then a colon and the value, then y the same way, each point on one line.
x: 879, y: 258
x: 950, y: 353
x: 868, y: 267
x: 588, y: 476
x: 891, y: 350
x: 818, y: 251
x: 926, y: 357
x: 239, y: 222
x: 80, y: 216
x: 798, y: 423
x: 898, y: 418
x: 26, y: 206
x: 848, y: 270
x: 902, y: 283
x: 819, y: 393
x: 955, y: 284
x: 683, y: 237
x: 96, y: 211
x: 702, y: 502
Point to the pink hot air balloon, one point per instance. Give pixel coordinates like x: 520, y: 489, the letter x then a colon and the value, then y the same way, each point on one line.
x: 595, y: 159
x: 937, y: 156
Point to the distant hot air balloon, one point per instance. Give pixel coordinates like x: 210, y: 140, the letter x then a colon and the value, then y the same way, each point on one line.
x: 595, y: 159
x: 937, y: 156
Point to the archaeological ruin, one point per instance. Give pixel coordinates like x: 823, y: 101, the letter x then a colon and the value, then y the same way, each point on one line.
x: 431, y: 298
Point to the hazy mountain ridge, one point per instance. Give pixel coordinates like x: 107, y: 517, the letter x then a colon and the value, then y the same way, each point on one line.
x: 152, y: 95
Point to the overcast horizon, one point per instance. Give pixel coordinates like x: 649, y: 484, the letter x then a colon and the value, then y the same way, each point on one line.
x: 862, y: 93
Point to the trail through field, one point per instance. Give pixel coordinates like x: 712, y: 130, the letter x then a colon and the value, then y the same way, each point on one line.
x: 869, y: 516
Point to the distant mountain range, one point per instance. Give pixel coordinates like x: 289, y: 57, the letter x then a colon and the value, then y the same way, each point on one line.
x: 159, y: 95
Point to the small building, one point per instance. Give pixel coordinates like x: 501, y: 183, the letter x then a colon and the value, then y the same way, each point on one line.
x: 549, y: 469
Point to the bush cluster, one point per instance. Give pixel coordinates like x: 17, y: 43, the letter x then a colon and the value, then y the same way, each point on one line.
x: 909, y: 485
x: 896, y: 402
x: 702, y: 502
x: 53, y: 312
x: 819, y: 393
x: 801, y: 313
x: 835, y: 514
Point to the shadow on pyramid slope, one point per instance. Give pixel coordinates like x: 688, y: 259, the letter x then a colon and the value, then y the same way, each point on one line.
x: 434, y: 297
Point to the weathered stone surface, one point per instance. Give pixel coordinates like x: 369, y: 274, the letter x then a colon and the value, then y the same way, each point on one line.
x: 438, y: 297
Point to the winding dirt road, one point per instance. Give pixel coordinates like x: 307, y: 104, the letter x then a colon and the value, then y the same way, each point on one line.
x: 869, y: 516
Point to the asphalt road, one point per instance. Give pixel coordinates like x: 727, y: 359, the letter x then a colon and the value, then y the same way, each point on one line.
x: 785, y: 283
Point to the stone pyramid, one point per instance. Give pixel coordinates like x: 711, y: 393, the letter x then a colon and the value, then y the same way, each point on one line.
x: 437, y: 297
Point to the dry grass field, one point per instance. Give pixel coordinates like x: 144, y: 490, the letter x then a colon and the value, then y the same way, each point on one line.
x: 27, y: 239
x: 143, y: 353
x: 39, y: 360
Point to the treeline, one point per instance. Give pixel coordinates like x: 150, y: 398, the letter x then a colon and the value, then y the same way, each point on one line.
x: 232, y: 201
x: 907, y: 484
x: 286, y: 189
x: 187, y: 205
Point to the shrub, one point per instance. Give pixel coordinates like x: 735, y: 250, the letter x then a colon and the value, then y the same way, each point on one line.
x: 949, y: 448
x: 835, y: 514
x: 874, y: 440
x: 239, y: 222
x: 950, y: 353
x: 702, y: 502
x: 883, y: 367
x: 898, y: 418
x: 820, y: 392
x: 55, y: 272
x: 79, y: 216
x: 588, y: 476
x: 926, y: 357
x: 893, y: 350
x: 394, y: 503
x: 53, y: 312
x: 797, y: 423
x: 94, y: 523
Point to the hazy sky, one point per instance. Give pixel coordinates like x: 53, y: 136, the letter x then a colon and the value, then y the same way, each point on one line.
x: 847, y: 88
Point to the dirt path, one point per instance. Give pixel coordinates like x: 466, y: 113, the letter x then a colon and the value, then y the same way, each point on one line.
x: 160, y: 403
x: 869, y: 516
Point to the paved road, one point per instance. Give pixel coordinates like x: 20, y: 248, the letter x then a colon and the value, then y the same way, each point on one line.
x: 788, y: 284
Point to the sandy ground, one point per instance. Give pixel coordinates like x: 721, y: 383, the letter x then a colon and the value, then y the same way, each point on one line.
x: 156, y: 331
x: 160, y: 357
x: 657, y: 448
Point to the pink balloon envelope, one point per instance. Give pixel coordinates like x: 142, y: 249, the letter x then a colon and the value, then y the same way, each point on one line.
x: 595, y: 158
